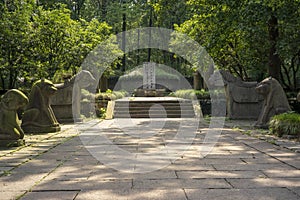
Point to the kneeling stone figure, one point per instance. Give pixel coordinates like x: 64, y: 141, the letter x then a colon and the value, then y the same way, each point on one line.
x: 275, y: 101
x: 38, y: 116
x: 10, y: 130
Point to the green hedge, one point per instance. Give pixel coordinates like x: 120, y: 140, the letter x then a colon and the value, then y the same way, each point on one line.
x: 190, y: 94
x: 160, y: 73
x: 285, y: 124
x: 111, y: 95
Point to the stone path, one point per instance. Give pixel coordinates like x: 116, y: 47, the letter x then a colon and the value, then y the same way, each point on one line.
x: 59, y: 166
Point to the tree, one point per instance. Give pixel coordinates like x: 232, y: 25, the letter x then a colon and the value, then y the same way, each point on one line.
x: 54, y: 37
x: 249, y: 38
x: 15, y: 31
x: 38, y: 42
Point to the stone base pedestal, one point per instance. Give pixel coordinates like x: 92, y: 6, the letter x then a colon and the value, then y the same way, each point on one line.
x: 36, y: 129
x: 12, y: 143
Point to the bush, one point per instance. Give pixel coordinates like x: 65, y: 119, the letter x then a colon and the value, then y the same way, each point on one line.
x: 138, y: 73
x: 111, y: 95
x: 190, y: 94
x: 285, y: 124
x: 120, y: 94
x: 103, y: 98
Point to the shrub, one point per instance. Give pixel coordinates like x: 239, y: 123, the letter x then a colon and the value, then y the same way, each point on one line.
x: 138, y: 73
x: 111, y: 95
x: 285, y: 124
x: 120, y: 94
x: 103, y: 98
x: 190, y: 94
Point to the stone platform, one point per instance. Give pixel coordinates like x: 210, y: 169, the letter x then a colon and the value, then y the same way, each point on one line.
x: 58, y: 166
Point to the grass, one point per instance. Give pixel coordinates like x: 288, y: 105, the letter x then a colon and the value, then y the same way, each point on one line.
x: 285, y: 124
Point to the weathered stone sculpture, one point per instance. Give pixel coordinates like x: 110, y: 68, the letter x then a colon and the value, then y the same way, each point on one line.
x: 11, y: 133
x: 241, y: 99
x: 66, y: 102
x: 38, y: 116
x: 275, y: 101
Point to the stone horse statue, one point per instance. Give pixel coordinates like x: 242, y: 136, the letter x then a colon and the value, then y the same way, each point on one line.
x: 10, y: 130
x: 66, y: 102
x: 38, y: 116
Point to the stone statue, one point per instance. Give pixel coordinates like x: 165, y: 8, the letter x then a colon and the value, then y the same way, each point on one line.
x: 38, y: 116
x: 229, y: 78
x: 66, y: 102
x: 242, y: 101
x: 275, y: 101
x: 10, y: 130
x: 298, y: 97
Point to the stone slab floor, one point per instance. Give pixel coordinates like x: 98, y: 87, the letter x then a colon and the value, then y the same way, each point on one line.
x: 60, y: 165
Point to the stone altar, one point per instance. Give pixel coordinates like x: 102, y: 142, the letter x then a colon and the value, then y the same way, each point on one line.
x: 11, y: 133
x: 38, y: 116
x: 275, y: 101
x: 66, y: 102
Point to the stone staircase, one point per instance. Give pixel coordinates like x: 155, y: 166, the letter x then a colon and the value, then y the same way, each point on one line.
x: 153, y: 107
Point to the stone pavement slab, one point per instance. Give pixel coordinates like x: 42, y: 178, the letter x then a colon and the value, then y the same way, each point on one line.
x: 51, y: 195
x: 59, y: 166
x: 241, y: 194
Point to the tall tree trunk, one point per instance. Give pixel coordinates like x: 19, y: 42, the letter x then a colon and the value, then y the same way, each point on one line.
x: 150, y: 35
x: 2, y: 81
x: 103, y: 84
x: 124, y: 42
x: 103, y: 10
x: 274, y: 60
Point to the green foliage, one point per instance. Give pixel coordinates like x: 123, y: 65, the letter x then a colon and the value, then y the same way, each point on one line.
x: 15, y: 37
x: 191, y: 94
x: 101, y: 100
x: 120, y: 94
x: 285, y: 124
x: 110, y: 95
x: 137, y: 73
x: 42, y: 38
x: 102, y: 113
x: 38, y: 42
x: 236, y: 35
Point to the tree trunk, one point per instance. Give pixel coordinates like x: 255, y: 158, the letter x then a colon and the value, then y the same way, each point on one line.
x: 150, y: 35
x: 103, y: 10
x: 103, y: 84
x: 197, y: 81
x: 274, y: 60
x: 124, y: 42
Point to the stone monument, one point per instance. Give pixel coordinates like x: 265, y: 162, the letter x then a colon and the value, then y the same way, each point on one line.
x: 241, y: 98
x: 149, y: 76
x: 66, y: 102
x: 38, y: 116
x: 11, y: 133
x: 275, y: 101
x: 149, y: 82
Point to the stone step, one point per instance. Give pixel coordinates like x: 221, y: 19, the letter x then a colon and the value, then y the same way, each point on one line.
x: 154, y: 116
x: 155, y: 112
x: 154, y: 107
x: 158, y: 107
